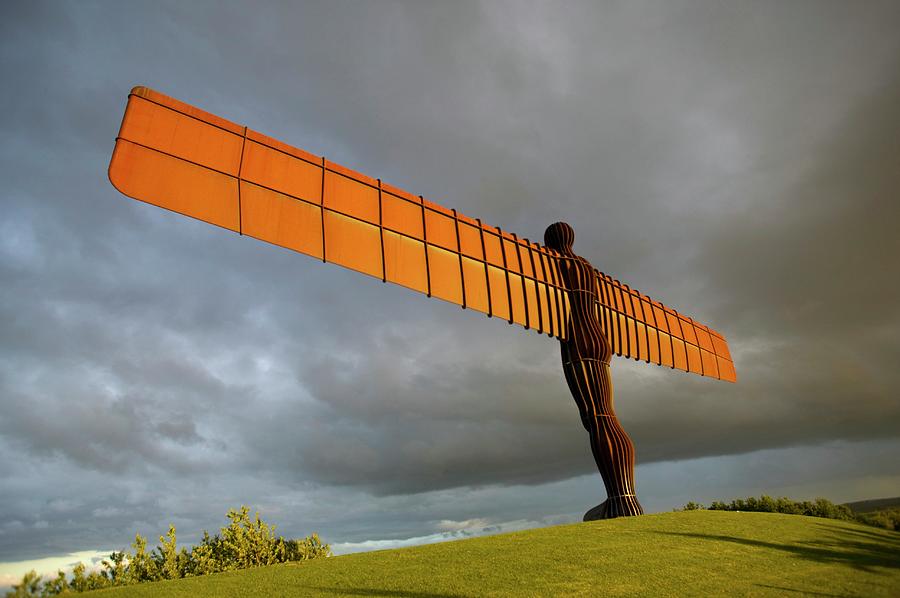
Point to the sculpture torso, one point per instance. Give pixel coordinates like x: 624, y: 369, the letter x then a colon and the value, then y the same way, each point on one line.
x: 585, y: 339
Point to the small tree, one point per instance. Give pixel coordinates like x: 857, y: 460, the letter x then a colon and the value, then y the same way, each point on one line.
x: 170, y: 562
x: 114, y: 568
x: 141, y: 566
x: 204, y: 558
x: 57, y: 585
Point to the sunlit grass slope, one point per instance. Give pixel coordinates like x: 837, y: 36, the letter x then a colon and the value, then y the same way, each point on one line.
x: 698, y: 553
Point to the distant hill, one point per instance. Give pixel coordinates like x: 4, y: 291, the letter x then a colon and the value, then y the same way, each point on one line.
x: 875, y: 504
x: 686, y: 553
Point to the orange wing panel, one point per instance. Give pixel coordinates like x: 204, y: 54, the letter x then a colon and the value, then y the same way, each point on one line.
x: 543, y: 297
x: 687, y: 329
x: 678, y: 354
x: 440, y: 230
x: 693, y: 358
x: 709, y: 364
x: 492, y: 249
x: 526, y: 259
x: 721, y: 347
x: 281, y: 219
x: 511, y: 255
x: 351, y: 197
x: 186, y: 109
x: 533, y: 304
x: 642, y: 341
x: 476, y: 285
x: 703, y: 338
x: 665, y: 350
x: 174, y: 184
x: 402, y: 216
x: 446, y: 282
x: 517, y: 299
x: 353, y: 244
x: 404, y: 262
x: 470, y: 241
x: 564, y: 304
x: 499, y: 293
x: 282, y: 172
x: 653, y: 345
x: 156, y: 126
x: 726, y: 369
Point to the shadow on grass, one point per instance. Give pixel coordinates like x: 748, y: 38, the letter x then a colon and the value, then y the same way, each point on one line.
x: 858, y: 548
x: 379, y: 592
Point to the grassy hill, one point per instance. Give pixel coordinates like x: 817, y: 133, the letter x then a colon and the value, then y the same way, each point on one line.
x: 698, y: 553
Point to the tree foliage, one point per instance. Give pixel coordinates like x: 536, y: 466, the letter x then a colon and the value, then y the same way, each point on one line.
x: 245, y: 542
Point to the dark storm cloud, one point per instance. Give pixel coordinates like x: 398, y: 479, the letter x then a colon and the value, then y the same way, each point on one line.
x: 737, y: 162
x: 384, y: 423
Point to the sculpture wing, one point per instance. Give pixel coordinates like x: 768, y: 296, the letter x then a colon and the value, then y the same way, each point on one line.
x: 184, y: 159
x: 181, y: 158
x: 643, y: 329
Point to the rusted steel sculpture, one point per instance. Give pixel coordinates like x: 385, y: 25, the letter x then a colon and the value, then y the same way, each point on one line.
x: 181, y: 158
x: 585, y: 358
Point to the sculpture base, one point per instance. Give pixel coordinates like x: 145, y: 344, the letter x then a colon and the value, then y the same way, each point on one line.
x: 620, y: 506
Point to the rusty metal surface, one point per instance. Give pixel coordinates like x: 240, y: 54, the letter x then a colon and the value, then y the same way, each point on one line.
x: 184, y: 159
x: 585, y: 360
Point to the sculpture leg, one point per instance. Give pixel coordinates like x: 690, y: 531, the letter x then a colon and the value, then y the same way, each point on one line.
x: 591, y: 386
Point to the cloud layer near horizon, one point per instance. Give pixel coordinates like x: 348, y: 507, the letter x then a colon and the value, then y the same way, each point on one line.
x: 739, y: 163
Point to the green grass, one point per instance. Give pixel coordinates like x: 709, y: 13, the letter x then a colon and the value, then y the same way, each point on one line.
x: 694, y: 553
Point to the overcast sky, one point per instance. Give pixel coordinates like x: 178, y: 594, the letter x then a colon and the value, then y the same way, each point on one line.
x: 738, y: 161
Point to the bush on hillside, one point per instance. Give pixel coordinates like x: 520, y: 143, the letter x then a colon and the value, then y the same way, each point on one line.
x: 885, y: 518
x: 766, y: 504
x: 245, y: 542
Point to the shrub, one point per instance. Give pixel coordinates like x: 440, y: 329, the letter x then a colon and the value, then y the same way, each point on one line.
x: 308, y: 548
x: 249, y: 542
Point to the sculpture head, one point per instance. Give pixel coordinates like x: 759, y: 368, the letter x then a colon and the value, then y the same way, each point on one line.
x: 559, y: 236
